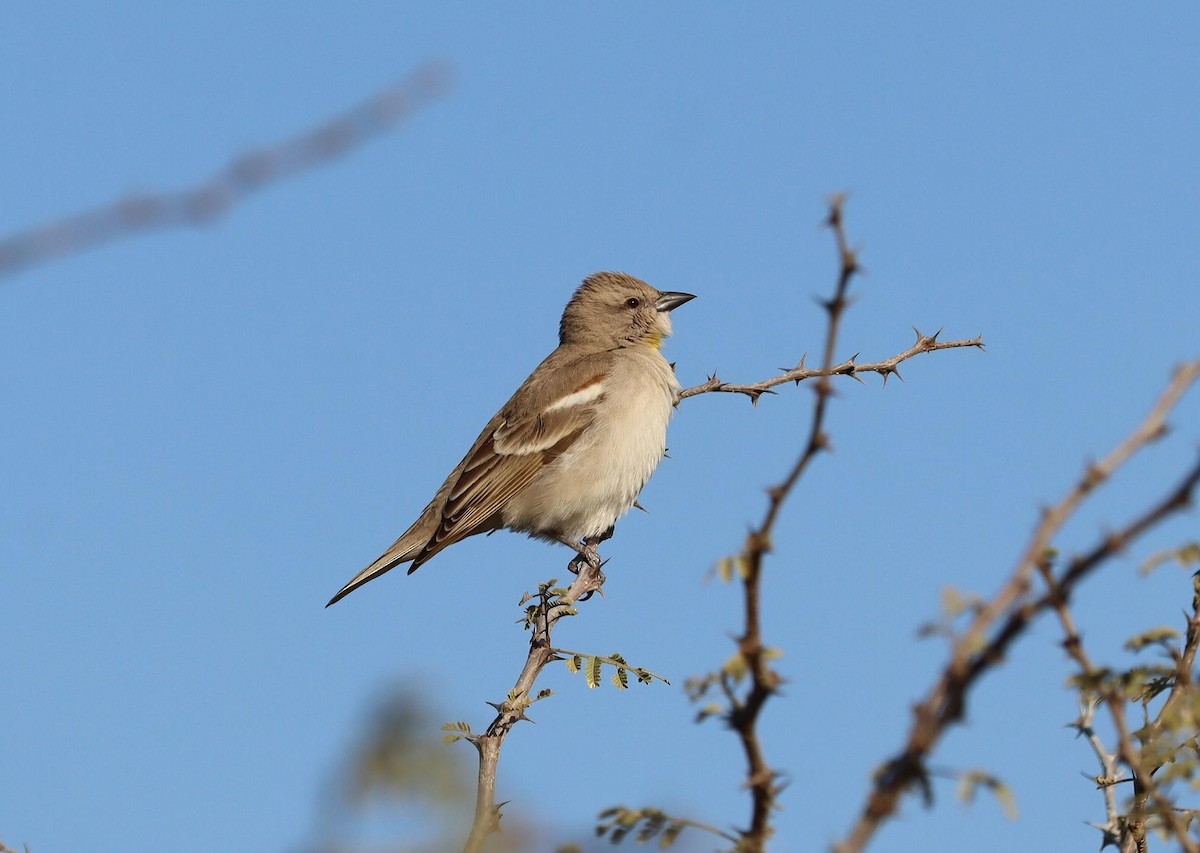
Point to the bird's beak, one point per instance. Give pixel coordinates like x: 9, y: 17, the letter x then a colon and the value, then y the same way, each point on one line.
x: 671, y: 300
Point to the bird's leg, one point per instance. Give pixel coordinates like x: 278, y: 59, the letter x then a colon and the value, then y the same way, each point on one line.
x: 585, y: 551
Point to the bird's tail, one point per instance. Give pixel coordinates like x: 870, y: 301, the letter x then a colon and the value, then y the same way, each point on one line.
x: 404, y: 549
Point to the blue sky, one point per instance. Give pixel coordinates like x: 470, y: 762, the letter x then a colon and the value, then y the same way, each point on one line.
x: 205, y: 433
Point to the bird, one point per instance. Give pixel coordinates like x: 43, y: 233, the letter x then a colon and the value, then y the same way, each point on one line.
x: 569, y: 453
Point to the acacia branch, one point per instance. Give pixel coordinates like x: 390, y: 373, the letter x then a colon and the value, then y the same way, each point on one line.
x: 551, y: 607
x: 246, y: 174
x: 999, y: 622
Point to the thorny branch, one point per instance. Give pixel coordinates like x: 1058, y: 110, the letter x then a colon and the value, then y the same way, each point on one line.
x: 1109, y: 775
x: 998, y: 623
x: 246, y: 174
x: 761, y: 780
x: 850, y: 367
x: 546, y: 613
x: 742, y: 711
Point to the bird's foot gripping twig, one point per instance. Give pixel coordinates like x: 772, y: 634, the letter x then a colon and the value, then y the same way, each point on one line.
x: 586, y: 553
x: 586, y: 557
x: 587, y: 562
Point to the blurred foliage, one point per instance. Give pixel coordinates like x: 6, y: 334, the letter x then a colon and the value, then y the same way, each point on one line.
x: 398, y: 757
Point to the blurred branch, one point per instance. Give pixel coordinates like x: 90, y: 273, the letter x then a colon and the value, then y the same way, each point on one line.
x: 1109, y: 776
x: 997, y: 623
x: 245, y: 175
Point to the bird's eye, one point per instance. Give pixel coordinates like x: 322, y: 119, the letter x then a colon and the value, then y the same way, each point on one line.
x: 633, y: 302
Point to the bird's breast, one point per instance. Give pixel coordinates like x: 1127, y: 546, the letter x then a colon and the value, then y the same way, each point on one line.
x: 585, y: 490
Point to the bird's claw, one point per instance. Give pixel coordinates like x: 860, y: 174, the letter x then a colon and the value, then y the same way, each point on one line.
x: 586, y: 558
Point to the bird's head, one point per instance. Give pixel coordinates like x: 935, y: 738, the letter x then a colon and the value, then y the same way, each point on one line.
x: 612, y: 309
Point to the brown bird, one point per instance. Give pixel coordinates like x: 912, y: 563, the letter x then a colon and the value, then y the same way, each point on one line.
x: 569, y: 453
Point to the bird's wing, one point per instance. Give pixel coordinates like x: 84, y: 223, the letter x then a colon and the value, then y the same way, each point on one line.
x: 540, y: 422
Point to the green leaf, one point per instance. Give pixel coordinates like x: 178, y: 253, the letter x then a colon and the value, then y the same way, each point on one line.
x: 1186, y: 556
x: 735, y: 667
x: 972, y: 780
x: 593, y: 671
x: 1160, y: 636
x: 455, y: 731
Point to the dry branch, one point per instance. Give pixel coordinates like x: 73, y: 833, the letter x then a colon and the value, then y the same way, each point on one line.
x: 246, y: 174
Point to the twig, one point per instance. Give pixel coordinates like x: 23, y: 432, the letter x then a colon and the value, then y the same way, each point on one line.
x: 549, y: 610
x: 1011, y: 611
x: 1109, y: 776
x: 246, y: 174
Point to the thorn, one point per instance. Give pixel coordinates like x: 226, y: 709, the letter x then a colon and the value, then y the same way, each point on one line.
x: 1093, y: 475
x: 637, y: 505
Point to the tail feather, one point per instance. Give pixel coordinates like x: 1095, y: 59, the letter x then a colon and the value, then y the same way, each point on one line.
x: 404, y: 549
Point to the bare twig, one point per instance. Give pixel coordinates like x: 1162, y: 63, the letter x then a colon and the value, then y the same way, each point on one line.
x: 551, y: 607
x: 246, y: 174
x: 998, y: 623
